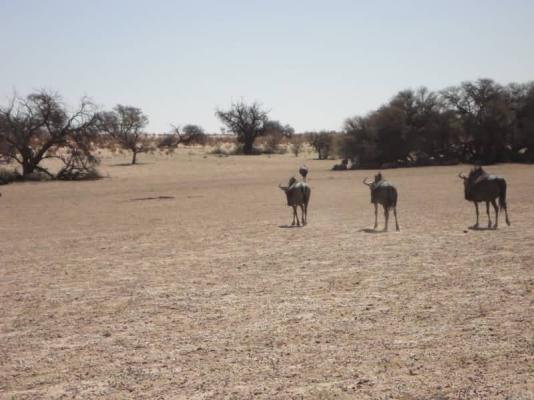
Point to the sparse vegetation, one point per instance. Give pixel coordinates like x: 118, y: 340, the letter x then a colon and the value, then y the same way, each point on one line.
x: 297, y: 145
x: 9, y: 175
x: 475, y: 122
x: 221, y: 150
x: 249, y: 122
x: 275, y: 133
x: 187, y: 136
x: 246, y: 122
x: 39, y: 127
x: 322, y: 143
x: 125, y: 125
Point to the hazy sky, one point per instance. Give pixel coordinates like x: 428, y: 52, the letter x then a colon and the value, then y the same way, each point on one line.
x: 312, y: 63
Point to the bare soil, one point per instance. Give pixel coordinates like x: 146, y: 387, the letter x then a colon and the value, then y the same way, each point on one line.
x: 201, y: 291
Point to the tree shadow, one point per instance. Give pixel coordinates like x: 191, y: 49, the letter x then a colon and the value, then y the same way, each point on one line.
x: 153, y: 198
x: 128, y: 164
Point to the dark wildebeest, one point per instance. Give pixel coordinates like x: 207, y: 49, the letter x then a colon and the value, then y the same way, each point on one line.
x: 303, y: 171
x: 384, y: 193
x: 341, y: 166
x: 298, y: 194
x: 481, y: 186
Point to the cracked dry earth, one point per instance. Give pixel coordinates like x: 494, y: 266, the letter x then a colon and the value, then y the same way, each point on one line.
x: 200, y: 291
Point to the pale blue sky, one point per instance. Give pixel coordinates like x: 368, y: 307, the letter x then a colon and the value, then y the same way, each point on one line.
x: 312, y: 63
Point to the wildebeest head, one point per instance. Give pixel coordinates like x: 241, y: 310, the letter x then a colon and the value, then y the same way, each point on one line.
x: 475, y: 174
x: 287, y: 189
x: 378, y: 178
x: 303, y: 170
x: 291, y: 182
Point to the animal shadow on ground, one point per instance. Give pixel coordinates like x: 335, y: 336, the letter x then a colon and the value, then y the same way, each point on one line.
x: 290, y: 226
x: 481, y: 228
x: 369, y: 230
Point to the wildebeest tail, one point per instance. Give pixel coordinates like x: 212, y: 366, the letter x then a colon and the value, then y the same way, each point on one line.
x: 502, y: 193
x: 306, y: 193
x: 392, y: 197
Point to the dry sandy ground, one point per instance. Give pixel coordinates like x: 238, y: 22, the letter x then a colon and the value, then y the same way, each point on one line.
x: 206, y: 295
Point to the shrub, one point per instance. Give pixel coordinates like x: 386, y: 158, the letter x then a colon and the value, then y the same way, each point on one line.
x: 8, y: 176
x: 297, y: 145
x: 322, y: 143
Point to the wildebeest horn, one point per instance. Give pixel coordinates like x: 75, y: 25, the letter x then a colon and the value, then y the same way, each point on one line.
x: 461, y: 176
x: 365, y: 181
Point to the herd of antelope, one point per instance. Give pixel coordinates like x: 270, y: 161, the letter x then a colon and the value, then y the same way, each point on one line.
x: 479, y: 186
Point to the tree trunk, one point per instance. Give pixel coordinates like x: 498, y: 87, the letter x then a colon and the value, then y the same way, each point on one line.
x: 134, y: 157
x: 27, y: 168
x: 247, y: 147
x: 28, y: 165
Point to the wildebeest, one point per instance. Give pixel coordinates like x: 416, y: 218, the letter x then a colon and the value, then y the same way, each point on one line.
x: 384, y: 193
x: 481, y: 186
x: 343, y: 166
x: 303, y: 171
x: 298, y: 194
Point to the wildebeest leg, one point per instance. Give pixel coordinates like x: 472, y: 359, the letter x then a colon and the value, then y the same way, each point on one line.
x: 488, y: 212
x: 494, y: 202
x: 506, y: 214
x: 303, y: 215
x: 376, y: 216
x: 296, y: 215
x: 476, y: 208
x: 386, y: 217
x: 396, y: 222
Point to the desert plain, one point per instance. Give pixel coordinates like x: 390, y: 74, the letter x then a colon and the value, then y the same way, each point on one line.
x: 179, y: 278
